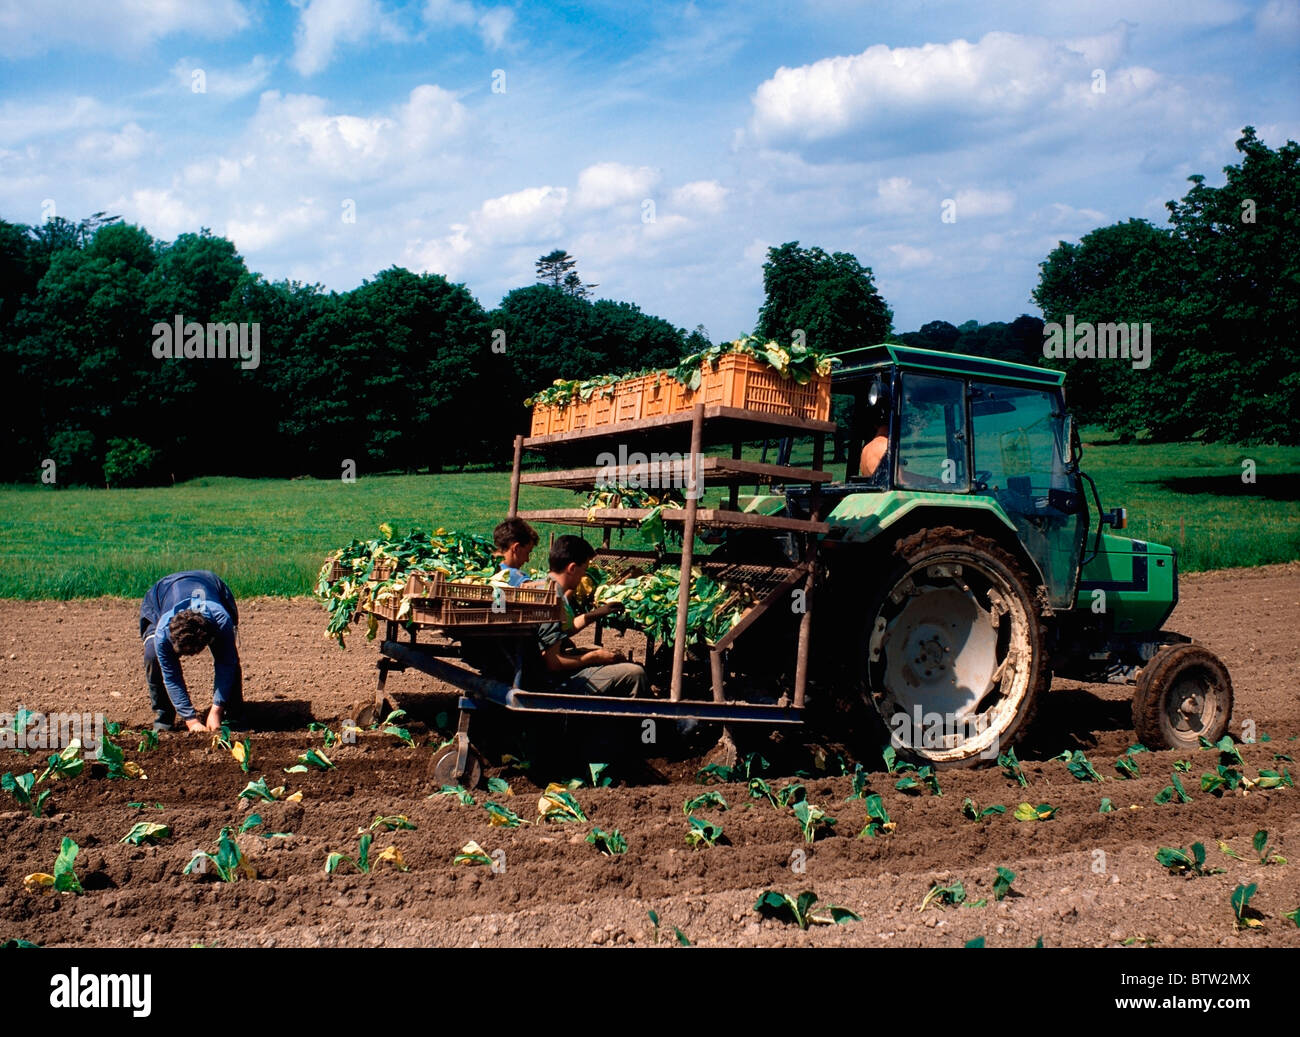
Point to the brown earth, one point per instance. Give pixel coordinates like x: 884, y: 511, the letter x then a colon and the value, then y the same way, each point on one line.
x: 1082, y: 878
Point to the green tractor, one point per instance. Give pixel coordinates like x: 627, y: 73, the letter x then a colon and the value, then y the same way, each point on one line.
x: 963, y: 567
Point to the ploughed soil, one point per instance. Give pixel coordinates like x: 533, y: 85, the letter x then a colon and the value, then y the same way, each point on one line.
x: 1083, y: 878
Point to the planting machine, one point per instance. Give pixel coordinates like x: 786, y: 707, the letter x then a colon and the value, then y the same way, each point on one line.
x: 944, y: 590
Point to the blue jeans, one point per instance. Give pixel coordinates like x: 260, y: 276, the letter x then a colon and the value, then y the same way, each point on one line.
x: 164, y: 710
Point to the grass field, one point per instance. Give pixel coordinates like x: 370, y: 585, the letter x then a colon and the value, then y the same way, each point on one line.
x: 269, y: 536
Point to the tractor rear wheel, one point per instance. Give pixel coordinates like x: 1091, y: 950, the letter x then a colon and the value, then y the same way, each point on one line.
x: 955, y: 649
x: 1183, y: 694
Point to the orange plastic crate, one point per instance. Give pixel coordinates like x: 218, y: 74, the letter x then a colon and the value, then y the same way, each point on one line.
x: 656, y: 396
x: 748, y: 384
x: 629, y: 397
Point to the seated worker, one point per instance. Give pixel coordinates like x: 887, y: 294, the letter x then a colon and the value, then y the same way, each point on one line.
x: 514, y: 539
x: 181, y: 615
x: 583, y: 671
x: 875, y: 449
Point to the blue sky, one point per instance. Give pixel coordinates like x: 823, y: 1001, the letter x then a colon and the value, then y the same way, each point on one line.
x: 666, y: 146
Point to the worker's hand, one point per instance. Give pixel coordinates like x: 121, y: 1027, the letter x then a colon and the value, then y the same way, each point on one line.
x: 214, y: 719
x: 603, y: 657
x: 195, y: 724
x: 608, y: 608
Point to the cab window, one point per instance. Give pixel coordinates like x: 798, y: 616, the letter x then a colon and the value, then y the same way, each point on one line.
x: 931, y: 452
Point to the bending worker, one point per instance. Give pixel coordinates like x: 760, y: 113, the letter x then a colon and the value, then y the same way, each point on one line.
x: 181, y: 615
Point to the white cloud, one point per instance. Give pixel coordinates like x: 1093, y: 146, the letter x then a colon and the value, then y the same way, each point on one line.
x: 158, y: 210
x: 701, y: 195
x: 223, y: 82
x: 324, y: 24
x: 611, y: 183
x: 28, y: 120
x: 297, y: 132
x: 975, y: 202
x: 910, y: 258
x: 896, y: 195
x: 532, y: 214
x: 121, y: 26
x: 126, y: 145
x: 261, y: 226
x: 492, y: 23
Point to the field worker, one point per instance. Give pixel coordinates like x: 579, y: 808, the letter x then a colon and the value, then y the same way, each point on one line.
x: 514, y: 540
x: 181, y: 615
x: 873, y: 452
x: 583, y: 671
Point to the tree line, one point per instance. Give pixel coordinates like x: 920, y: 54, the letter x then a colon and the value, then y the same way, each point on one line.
x: 410, y: 372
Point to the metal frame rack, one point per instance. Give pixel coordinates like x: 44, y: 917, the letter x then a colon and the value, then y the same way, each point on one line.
x: 708, y: 426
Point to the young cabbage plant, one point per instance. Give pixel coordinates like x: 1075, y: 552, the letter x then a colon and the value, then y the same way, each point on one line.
x: 67, y: 763
x: 1079, y: 765
x: 363, y: 861
x: 705, y: 799
x: 878, y: 822
x: 147, y: 832
x: 1247, y: 917
x: 472, y: 853
x: 608, y: 843
x: 391, y: 822
x: 1185, y: 862
x: 1029, y: 812
x: 970, y: 809
x: 558, y: 804
x: 812, y: 819
x: 20, y: 787
x: 944, y: 896
x: 799, y: 910
x: 501, y: 817
x: 1002, y: 884
x: 64, y: 879
x: 459, y: 791
x: 1011, y: 767
x: 228, y: 862
x: 702, y: 833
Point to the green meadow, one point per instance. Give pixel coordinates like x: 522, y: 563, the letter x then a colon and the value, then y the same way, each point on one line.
x: 270, y: 536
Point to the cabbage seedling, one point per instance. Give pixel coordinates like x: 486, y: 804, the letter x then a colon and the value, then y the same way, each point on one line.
x: 311, y: 758
x: 471, y: 853
x: 811, y: 818
x: 798, y: 910
x: 599, y: 779
x: 1011, y: 767
x: 229, y: 861
x: 115, y: 761
x: 1106, y: 806
x: 878, y: 818
x: 500, y: 786
x: 703, y: 833
x: 459, y: 791
x: 391, y: 822
x: 363, y: 862
x: 148, y: 741
x: 1184, y: 862
x: 858, y: 781
x: 1270, y: 780
x: 1264, y: 850
x: 758, y: 788
x: 608, y: 843
x: 1293, y: 917
x: 147, y: 832
x: 64, y: 879
x: 243, y: 754
x: 1127, y: 767
x: 65, y: 764
x: 1167, y: 793
x: 558, y: 805
x: 20, y: 788
x: 1028, y: 812
x: 1247, y: 917
x: 501, y: 817
x: 1221, y: 779
x: 1079, y: 765
x: 971, y: 810
x: 1002, y: 884
x: 705, y: 799
x: 257, y: 790
x: 944, y: 896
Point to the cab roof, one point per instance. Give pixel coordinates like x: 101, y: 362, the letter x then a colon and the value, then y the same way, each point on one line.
x: 865, y: 360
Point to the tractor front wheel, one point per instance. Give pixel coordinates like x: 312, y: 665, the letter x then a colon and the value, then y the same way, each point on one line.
x: 955, y: 649
x: 1183, y: 694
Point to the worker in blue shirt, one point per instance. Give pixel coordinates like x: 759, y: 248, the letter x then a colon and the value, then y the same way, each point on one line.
x: 181, y: 615
x: 514, y: 540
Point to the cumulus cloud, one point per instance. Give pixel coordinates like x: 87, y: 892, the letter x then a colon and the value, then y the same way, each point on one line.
x: 941, y: 95
x: 162, y: 212
x: 700, y: 195
x: 975, y: 202
x: 492, y: 23
x: 119, y: 26
x: 612, y: 183
x: 324, y: 24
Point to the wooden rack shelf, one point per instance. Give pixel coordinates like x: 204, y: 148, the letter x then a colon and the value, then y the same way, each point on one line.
x: 706, y: 426
x: 713, y: 471
x: 719, y: 518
